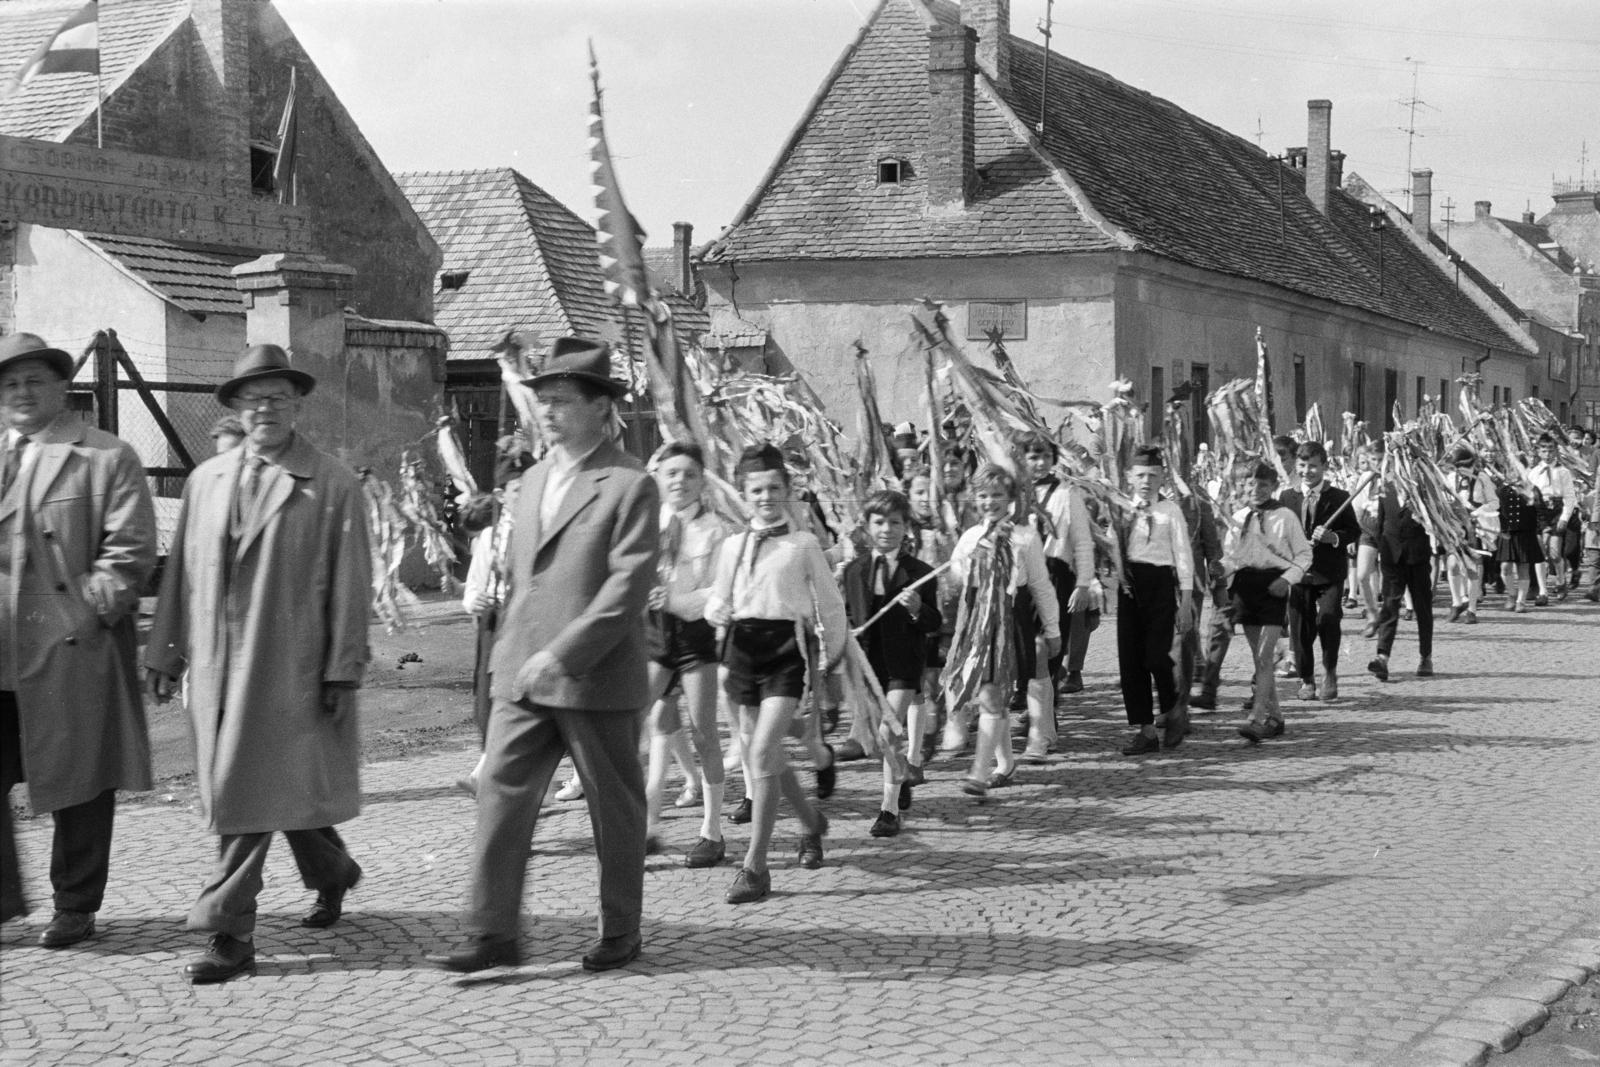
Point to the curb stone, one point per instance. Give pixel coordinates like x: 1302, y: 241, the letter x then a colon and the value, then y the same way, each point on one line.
x: 1510, y: 1008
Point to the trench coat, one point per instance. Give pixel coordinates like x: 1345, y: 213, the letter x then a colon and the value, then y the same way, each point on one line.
x: 260, y: 624
x: 82, y: 533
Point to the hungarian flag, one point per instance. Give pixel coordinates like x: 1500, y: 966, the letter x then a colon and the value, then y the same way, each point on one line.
x: 288, y: 145
x: 620, y: 236
x: 73, y: 49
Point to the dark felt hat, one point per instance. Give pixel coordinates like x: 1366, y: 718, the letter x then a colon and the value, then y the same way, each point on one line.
x: 20, y: 346
x: 579, y: 357
x: 264, y: 361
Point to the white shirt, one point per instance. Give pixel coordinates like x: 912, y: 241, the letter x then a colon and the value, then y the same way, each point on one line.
x: 1029, y: 570
x: 789, y: 579
x: 1556, y: 481
x: 563, y: 472
x: 1160, y: 537
x: 688, y: 583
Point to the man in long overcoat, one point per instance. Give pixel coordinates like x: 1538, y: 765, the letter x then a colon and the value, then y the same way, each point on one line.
x: 77, y: 544
x: 569, y: 663
x: 265, y: 603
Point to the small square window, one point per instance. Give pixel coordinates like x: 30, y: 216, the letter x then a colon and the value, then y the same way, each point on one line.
x: 262, y: 160
x: 452, y: 279
x: 890, y: 171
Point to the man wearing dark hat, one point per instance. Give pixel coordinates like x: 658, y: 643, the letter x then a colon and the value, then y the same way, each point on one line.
x: 265, y: 603
x: 569, y: 664
x: 77, y: 544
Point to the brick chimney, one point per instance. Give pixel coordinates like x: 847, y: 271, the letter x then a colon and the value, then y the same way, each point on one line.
x: 1319, y: 133
x: 682, y: 258
x: 1335, y: 169
x: 222, y: 30
x: 991, y: 20
x: 1528, y: 218
x: 948, y: 159
x: 1480, y: 209
x: 1422, y: 202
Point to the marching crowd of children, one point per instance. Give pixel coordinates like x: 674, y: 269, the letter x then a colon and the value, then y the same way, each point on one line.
x: 973, y: 597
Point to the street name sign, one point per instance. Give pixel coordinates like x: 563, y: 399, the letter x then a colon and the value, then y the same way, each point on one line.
x: 107, y: 190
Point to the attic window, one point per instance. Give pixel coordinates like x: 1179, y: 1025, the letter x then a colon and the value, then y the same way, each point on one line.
x: 262, y: 160
x: 892, y: 171
x: 453, y: 279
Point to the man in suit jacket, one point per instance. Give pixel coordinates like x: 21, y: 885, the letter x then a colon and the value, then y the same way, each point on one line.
x: 1316, y: 603
x: 77, y: 544
x: 1405, y: 554
x: 569, y: 663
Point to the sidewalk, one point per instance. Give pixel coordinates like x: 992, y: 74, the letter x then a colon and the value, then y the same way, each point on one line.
x: 1325, y: 899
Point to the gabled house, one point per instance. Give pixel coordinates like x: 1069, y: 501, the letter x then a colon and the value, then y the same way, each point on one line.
x: 516, y: 259
x: 1104, y: 231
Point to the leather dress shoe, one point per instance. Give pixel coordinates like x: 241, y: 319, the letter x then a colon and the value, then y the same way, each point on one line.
x: 1141, y: 744
x: 329, y: 906
x: 904, y: 800
x: 1425, y: 667
x: 1204, y: 701
x: 1379, y: 666
x: 851, y: 750
x: 67, y: 928
x: 609, y: 953
x: 914, y: 774
x: 828, y: 777
x: 811, y: 845
x: 749, y: 886
x: 705, y: 853
x: 1177, y: 727
x: 1074, y: 682
x: 479, y: 954
x: 743, y: 813
x: 888, y: 825
x: 224, y: 958
x: 1330, y: 685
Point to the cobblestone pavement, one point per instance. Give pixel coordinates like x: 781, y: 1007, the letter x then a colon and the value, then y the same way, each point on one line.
x: 1324, y: 899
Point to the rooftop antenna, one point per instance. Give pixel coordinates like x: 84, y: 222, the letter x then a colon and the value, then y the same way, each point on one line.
x: 1410, y: 128
x: 1044, y: 78
x: 1260, y: 133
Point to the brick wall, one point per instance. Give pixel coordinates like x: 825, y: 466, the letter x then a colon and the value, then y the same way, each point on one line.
x: 948, y: 157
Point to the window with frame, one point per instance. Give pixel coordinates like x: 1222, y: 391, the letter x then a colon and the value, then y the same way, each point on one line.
x: 1358, y: 391
x: 1300, y: 405
x: 891, y: 171
x: 1200, y: 378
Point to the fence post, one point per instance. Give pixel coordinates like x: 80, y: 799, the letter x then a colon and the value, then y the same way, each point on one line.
x: 105, y: 371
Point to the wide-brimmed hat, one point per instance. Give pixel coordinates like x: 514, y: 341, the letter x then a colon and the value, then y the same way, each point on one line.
x: 263, y: 361
x: 581, y: 358
x: 21, y: 346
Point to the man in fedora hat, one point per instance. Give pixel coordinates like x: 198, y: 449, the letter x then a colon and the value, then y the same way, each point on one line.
x: 77, y: 544
x: 569, y: 662
x: 265, y: 603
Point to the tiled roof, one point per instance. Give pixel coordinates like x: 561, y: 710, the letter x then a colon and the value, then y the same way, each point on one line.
x: 532, y: 264
x: 1171, y: 183
x: 53, y: 105
x: 196, y: 281
x: 1540, y: 238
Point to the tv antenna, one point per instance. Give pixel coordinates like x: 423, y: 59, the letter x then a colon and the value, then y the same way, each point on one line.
x: 1044, y: 78
x: 1260, y: 133
x: 1410, y: 128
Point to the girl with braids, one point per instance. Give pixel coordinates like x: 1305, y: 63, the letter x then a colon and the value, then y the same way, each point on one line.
x: 774, y: 589
x: 993, y: 646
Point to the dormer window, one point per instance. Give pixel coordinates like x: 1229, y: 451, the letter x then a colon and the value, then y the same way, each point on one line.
x: 452, y: 279
x: 892, y: 171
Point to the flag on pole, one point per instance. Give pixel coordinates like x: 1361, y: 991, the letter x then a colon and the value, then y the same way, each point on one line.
x: 620, y: 236
x: 73, y: 49
x: 288, y: 145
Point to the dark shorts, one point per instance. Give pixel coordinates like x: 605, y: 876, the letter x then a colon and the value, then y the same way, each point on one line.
x: 1253, y: 605
x: 1548, y: 515
x: 889, y: 685
x: 680, y: 644
x: 764, y: 660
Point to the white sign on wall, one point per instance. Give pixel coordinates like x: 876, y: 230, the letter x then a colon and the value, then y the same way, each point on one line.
x: 1010, y: 317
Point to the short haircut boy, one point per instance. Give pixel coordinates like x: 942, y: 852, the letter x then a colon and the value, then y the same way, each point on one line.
x: 888, y: 503
x: 1038, y: 441
x: 1313, y: 452
x: 1148, y: 456
x: 993, y: 476
x: 758, y: 458
x: 1266, y: 472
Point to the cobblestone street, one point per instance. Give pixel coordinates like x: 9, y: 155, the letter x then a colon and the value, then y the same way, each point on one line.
x: 1325, y: 899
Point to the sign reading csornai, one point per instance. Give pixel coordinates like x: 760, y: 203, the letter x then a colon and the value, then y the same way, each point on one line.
x: 105, y: 190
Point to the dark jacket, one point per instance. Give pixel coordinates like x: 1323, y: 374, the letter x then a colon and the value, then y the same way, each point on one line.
x: 1330, y: 563
x: 896, y: 645
x: 1401, y: 538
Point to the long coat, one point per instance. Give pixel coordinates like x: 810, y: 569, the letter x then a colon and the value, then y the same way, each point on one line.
x: 260, y: 624
x: 579, y: 586
x: 82, y: 535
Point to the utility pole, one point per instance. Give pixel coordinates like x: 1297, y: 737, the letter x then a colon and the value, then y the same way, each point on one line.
x: 1044, y: 78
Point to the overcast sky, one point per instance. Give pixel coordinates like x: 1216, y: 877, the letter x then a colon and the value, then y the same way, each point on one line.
x: 700, y: 93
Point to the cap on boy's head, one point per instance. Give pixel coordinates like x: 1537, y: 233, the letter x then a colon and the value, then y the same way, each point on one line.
x: 905, y: 435
x: 1547, y: 438
x: 1148, y: 456
x: 1266, y: 472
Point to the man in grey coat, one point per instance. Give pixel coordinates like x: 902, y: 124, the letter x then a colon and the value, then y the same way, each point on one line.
x: 77, y: 544
x: 265, y: 603
x: 569, y: 663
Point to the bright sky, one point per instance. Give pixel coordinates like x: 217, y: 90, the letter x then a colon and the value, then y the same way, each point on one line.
x: 699, y: 94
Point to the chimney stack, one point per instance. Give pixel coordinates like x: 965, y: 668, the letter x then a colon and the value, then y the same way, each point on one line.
x: 223, y: 30
x: 1319, y: 134
x: 948, y: 161
x: 991, y: 20
x: 1480, y: 209
x: 682, y: 256
x: 1422, y: 202
x: 1528, y: 218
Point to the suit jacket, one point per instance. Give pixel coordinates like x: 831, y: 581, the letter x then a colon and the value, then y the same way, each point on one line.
x: 81, y: 532
x: 1330, y: 563
x: 898, y: 640
x: 1401, y: 538
x: 579, y: 587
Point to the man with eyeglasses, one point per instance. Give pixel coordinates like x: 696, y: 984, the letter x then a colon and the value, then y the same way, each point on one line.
x: 77, y: 545
x: 265, y: 603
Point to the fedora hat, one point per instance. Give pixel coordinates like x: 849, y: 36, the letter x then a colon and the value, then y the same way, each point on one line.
x: 21, y: 346
x: 263, y: 361
x: 579, y: 357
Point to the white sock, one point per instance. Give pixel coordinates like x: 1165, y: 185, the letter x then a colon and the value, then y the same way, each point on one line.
x: 711, y: 822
